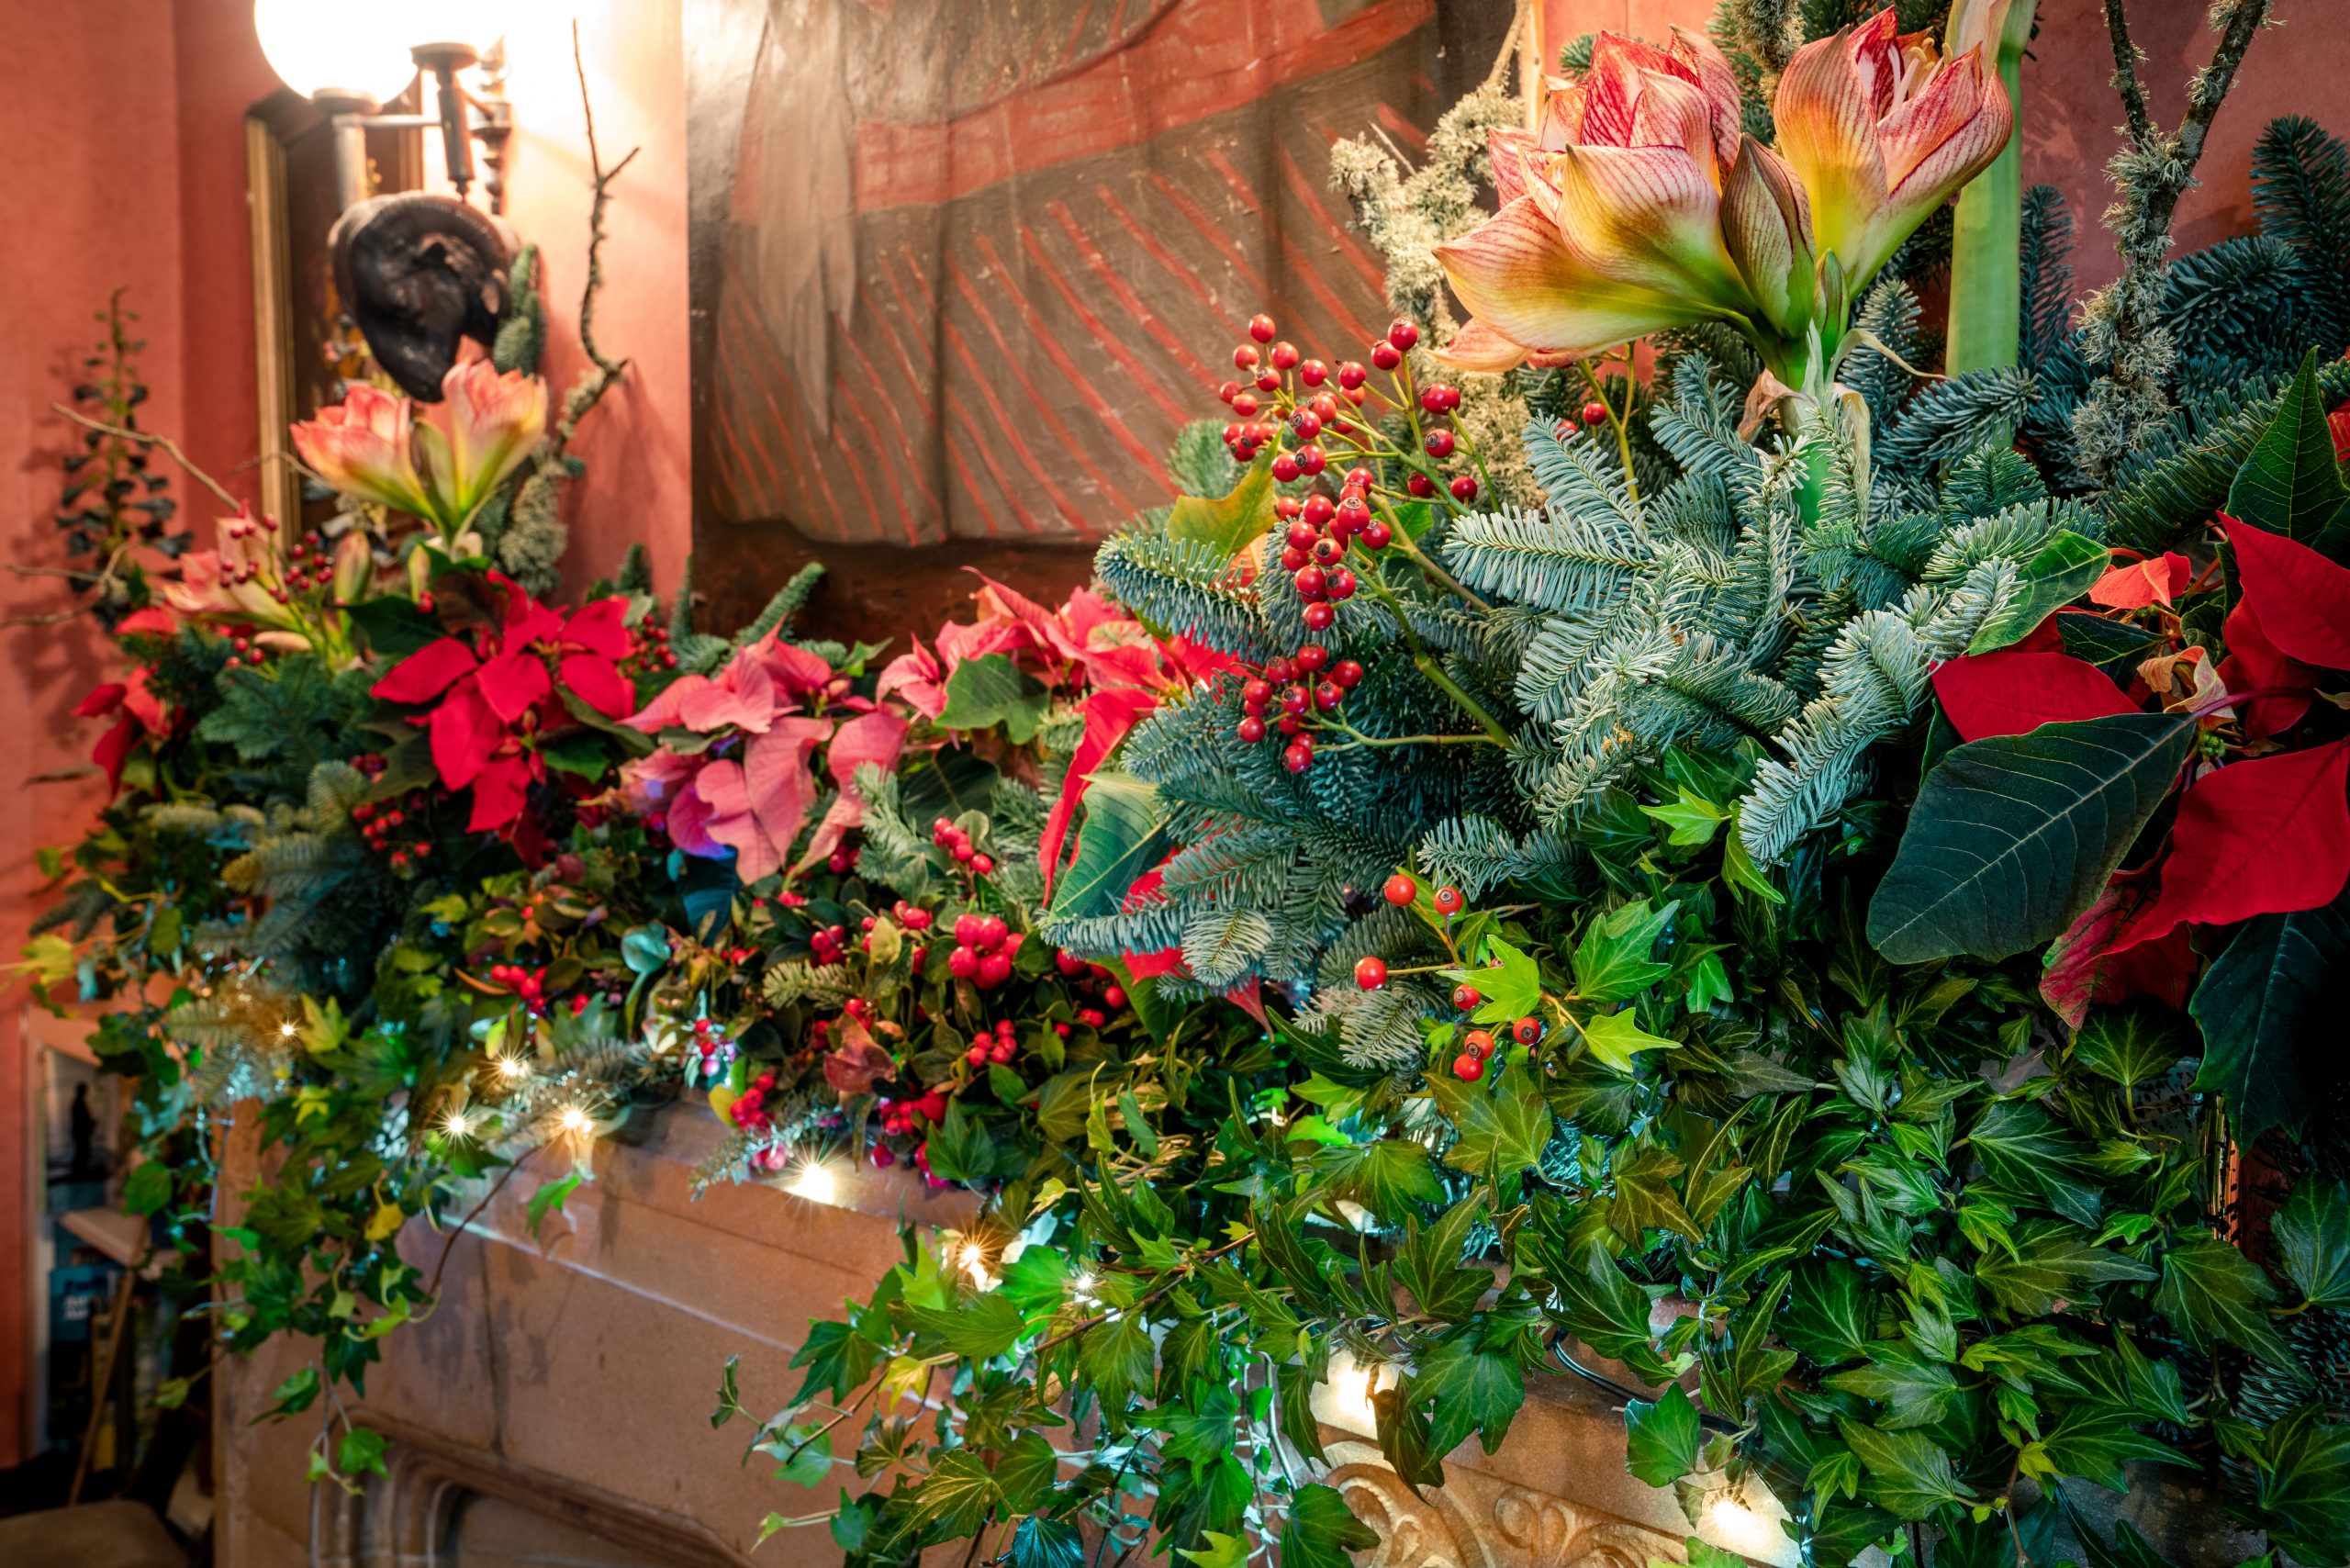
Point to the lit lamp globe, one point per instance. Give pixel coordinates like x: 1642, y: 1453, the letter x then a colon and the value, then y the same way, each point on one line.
x: 336, y: 54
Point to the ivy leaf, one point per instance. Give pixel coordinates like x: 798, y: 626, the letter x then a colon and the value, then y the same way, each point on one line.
x: 1321, y: 1530
x: 1503, y: 1126
x: 1386, y: 1177
x: 1617, y: 1037
x: 991, y: 690
x: 1474, y: 1390
x: 1220, y: 1551
x: 2267, y: 1001
x: 2312, y: 1234
x: 1025, y: 1472
x: 2291, y: 484
x: 549, y: 1199
x: 1910, y: 1475
x: 1828, y: 1312
x: 2012, y: 838
x: 978, y: 1328
x: 956, y: 1497
x: 1644, y: 1196
x: 1607, y: 1312
x: 2049, y: 1260
x: 1692, y: 820
x: 2060, y: 573
x: 2131, y: 1046
x: 1916, y: 1392
x: 1230, y: 521
x: 2093, y: 1442
x: 1745, y: 879
x: 1661, y: 1440
x: 1428, y: 1263
x: 1116, y: 1358
x: 360, y: 1452
x: 1612, y: 961
x: 2025, y: 1150
x: 148, y: 1187
x: 2211, y: 1292
x: 1510, y: 982
x: 2305, y: 1486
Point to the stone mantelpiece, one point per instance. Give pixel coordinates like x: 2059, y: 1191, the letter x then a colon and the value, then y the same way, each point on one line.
x: 572, y: 1378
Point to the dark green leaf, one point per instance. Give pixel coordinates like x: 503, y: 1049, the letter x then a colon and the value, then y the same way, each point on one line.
x: 2312, y: 1234
x: 1117, y: 1359
x: 1427, y: 1265
x: 1025, y: 1472
x: 2116, y: 648
x: 991, y: 690
x: 2132, y: 1046
x: 1321, y: 1530
x: 2210, y: 1292
x: 978, y: 1327
x: 148, y: 1187
x: 2094, y: 1441
x: 1828, y: 1312
x: 1645, y: 1198
x: 2025, y: 1150
x: 2052, y: 1261
x: 2013, y: 836
x: 1910, y: 1474
x: 1915, y: 1391
x: 2267, y: 1002
x: 1503, y: 1125
x: 2305, y: 1486
x: 1122, y: 837
x: 1612, y: 961
x: 393, y: 627
x: 1661, y: 1440
x: 1387, y: 1177
x: 1046, y: 1543
x: 2292, y: 483
x: 957, y: 1497
x: 2059, y: 573
x: 1475, y: 1390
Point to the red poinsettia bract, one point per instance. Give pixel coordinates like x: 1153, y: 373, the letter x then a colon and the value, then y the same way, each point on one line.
x: 501, y: 694
x: 2266, y: 831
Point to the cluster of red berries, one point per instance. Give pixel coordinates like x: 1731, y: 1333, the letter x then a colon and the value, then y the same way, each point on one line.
x: 241, y: 646
x: 983, y: 951
x: 901, y: 1117
x: 1321, y: 410
x: 1094, y: 979
x: 1402, y: 888
x: 1001, y: 1047
x: 913, y: 917
x: 841, y: 862
x: 380, y: 823
x: 828, y: 944
x: 712, y: 1048
x: 527, y: 984
x: 957, y: 843
x: 1304, y: 684
x: 749, y: 1111
x: 1315, y: 544
x: 648, y: 650
x: 1594, y: 415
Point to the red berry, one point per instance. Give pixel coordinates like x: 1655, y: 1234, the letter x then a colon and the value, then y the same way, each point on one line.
x: 1478, y: 1042
x: 1309, y: 582
x: 963, y: 963
x: 1284, y: 356
x: 1340, y: 583
x: 1526, y: 1030
x: 1243, y: 404
x: 1464, y: 489
x: 1261, y: 327
x: 1565, y: 428
x: 1468, y: 1069
x: 1438, y: 443
x: 1289, y: 724
x: 1328, y: 696
x: 984, y: 865
x: 1400, y: 889
x: 1279, y: 672
x: 1314, y: 656
x: 976, y: 1056
x: 1385, y: 356
x: 1295, y: 700
x: 991, y: 932
x: 1466, y: 998
x: 1595, y: 413
x: 1351, y: 373
x: 1318, y: 617
x: 1257, y: 691
x: 1348, y: 674
x: 1312, y: 460
x: 1288, y: 507
x: 1268, y: 381
x: 1226, y: 393
x: 1114, y: 996
x: 1403, y: 334
x: 1285, y: 468
x: 1245, y: 357
x: 1447, y: 900
x: 994, y: 969
x: 1376, y: 534
x: 1360, y: 477
x: 1305, y: 424
x: 1313, y: 372
x: 1327, y: 551
x: 1370, y: 972
x: 1298, y: 756
x: 1293, y: 558
x: 1421, y: 486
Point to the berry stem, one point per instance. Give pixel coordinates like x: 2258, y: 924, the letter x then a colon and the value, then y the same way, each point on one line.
x: 1402, y: 536
x: 1361, y: 739
x: 1623, y: 433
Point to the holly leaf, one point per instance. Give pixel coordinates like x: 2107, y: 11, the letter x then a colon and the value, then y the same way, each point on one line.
x: 1617, y: 1037
x: 1909, y: 1473
x: 2014, y: 836
x: 2267, y: 1002
x: 1231, y: 522
x: 1661, y: 1439
x: 2305, y: 1486
x: 1474, y: 1390
x: 1612, y: 961
x: 2060, y: 573
x: 2211, y: 1292
x: 1510, y: 982
x: 2291, y: 482
x: 991, y: 690
x: 1321, y: 1530
x: 2312, y: 1233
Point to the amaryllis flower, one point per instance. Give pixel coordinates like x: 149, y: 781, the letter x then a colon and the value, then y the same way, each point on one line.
x: 441, y: 467
x: 1881, y: 132
x: 1639, y: 205
x: 143, y: 715
x: 500, y: 695
x: 243, y: 580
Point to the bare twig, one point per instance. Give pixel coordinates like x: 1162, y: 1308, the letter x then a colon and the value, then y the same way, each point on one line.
x: 590, y: 389
x: 170, y: 448
x: 432, y: 1288
x: 2126, y: 55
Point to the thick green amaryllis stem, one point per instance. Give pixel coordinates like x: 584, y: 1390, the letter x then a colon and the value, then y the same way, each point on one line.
x: 1985, y: 274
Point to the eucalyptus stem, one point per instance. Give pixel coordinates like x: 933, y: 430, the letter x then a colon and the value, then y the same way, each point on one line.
x: 1987, y: 245
x: 1623, y: 432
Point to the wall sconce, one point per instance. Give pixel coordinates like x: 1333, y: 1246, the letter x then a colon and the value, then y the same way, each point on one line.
x: 350, y: 59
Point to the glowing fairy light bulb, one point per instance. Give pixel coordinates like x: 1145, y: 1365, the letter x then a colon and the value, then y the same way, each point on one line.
x: 512, y: 1069
x: 456, y: 1125
x: 1351, y: 1386
x: 1745, y: 1519
x: 574, y: 1121
x: 287, y: 1030
x: 816, y: 1183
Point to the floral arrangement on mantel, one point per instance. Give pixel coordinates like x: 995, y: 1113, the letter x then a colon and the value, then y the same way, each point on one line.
x: 1799, y: 890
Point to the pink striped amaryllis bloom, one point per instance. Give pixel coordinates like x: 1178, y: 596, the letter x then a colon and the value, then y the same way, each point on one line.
x: 1640, y: 204
x: 747, y: 786
x: 497, y: 698
x: 441, y: 467
x: 241, y: 581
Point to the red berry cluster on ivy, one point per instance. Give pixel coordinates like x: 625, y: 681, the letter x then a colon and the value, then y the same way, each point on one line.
x: 984, y: 948
x: 380, y: 823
